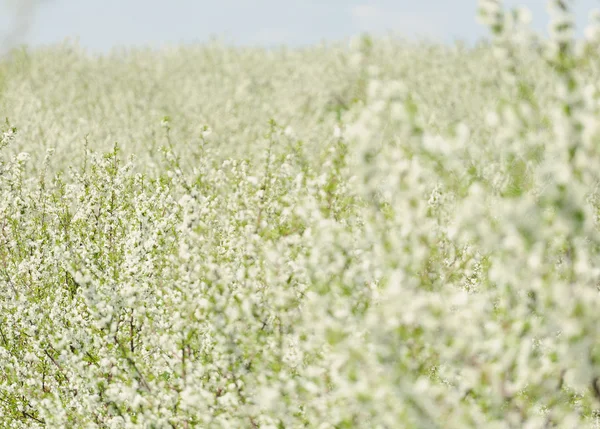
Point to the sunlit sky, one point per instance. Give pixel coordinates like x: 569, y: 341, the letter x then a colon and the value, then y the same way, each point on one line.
x: 99, y: 25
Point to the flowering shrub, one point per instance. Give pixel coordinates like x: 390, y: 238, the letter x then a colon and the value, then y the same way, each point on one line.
x: 386, y: 235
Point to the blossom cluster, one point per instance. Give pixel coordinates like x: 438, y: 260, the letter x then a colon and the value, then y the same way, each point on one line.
x: 382, y: 234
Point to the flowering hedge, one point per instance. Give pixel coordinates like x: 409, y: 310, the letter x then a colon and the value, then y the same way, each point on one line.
x: 382, y: 235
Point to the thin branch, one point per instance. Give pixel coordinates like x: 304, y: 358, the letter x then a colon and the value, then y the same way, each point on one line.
x: 56, y: 364
x: 32, y: 417
x: 596, y: 388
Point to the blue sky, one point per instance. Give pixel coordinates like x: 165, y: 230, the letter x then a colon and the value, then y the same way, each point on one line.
x: 102, y: 24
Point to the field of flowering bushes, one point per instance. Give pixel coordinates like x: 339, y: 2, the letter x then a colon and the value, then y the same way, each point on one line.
x: 381, y: 234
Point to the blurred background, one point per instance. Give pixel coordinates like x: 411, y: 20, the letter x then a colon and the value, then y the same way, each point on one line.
x: 99, y: 25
